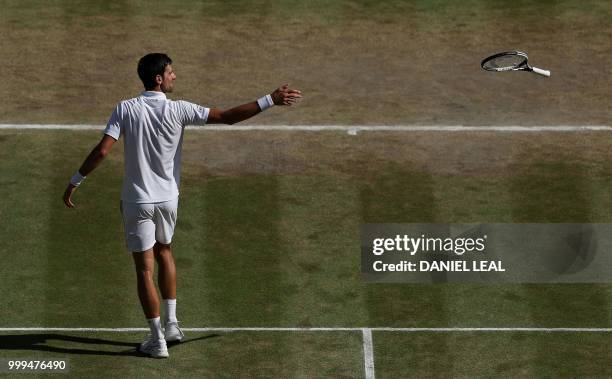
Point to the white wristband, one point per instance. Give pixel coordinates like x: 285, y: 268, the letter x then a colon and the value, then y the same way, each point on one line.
x: 77, y: 179
x: 265, y: 102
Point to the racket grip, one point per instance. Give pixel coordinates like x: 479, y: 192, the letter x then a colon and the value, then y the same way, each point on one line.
x: 540, y: 71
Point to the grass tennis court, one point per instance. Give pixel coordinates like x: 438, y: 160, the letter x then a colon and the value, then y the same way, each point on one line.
x: 325, y: 354
x: 273, y: 242
x: 356, y: 62
x: 268, y: 230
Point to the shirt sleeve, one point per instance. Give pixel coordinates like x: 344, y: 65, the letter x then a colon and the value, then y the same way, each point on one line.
x: 113, y: 128
x: 193, y: 114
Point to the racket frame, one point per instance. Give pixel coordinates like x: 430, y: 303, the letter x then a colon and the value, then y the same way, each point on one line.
x: 524, y: 66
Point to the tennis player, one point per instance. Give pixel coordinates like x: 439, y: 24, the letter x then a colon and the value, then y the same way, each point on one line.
x: 152, y: 127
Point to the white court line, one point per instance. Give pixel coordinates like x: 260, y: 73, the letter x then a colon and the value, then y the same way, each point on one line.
x: 315, y: 329
x: 368, y: 353
x: 345, y: 128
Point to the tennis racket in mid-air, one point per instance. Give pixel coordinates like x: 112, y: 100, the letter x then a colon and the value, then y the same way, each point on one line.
x: 510, y: 61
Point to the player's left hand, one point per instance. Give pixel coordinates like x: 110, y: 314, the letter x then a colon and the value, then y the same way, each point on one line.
x: 68, y: 195
x: 285, y: 95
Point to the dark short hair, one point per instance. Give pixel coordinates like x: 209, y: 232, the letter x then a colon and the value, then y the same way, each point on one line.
x: 150, y: 66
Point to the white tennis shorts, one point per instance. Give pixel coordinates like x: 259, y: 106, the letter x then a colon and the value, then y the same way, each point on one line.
x: 146, y: 223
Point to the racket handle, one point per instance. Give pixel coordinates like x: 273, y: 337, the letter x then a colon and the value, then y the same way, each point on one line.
x: 540, y: 71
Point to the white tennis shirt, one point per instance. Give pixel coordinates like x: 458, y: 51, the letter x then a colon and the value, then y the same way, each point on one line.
x: 152, y: 127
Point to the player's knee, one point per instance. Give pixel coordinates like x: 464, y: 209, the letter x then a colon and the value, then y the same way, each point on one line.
x: 163, y: 253
x: 144, y: 263
x: 145, y: 272
x: 163, y: 246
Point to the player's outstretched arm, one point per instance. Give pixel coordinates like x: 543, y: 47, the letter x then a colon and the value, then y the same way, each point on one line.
x: 282, y: 96
x: 92, y: 161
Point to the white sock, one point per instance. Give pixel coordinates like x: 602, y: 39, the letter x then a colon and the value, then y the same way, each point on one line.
x: 156, y: 330
x: 170, y: 307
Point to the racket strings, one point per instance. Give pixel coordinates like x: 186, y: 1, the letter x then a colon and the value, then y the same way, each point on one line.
x: 504, y: 62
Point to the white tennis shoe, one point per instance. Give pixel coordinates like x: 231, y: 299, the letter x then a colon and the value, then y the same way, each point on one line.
x: 154, y: 348
x: 173, y: 333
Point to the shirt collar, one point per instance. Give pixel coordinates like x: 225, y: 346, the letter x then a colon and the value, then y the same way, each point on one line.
x: 154, y: 94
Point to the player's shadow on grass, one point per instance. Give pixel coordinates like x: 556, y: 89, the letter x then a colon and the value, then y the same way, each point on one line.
x: 40, y: 342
